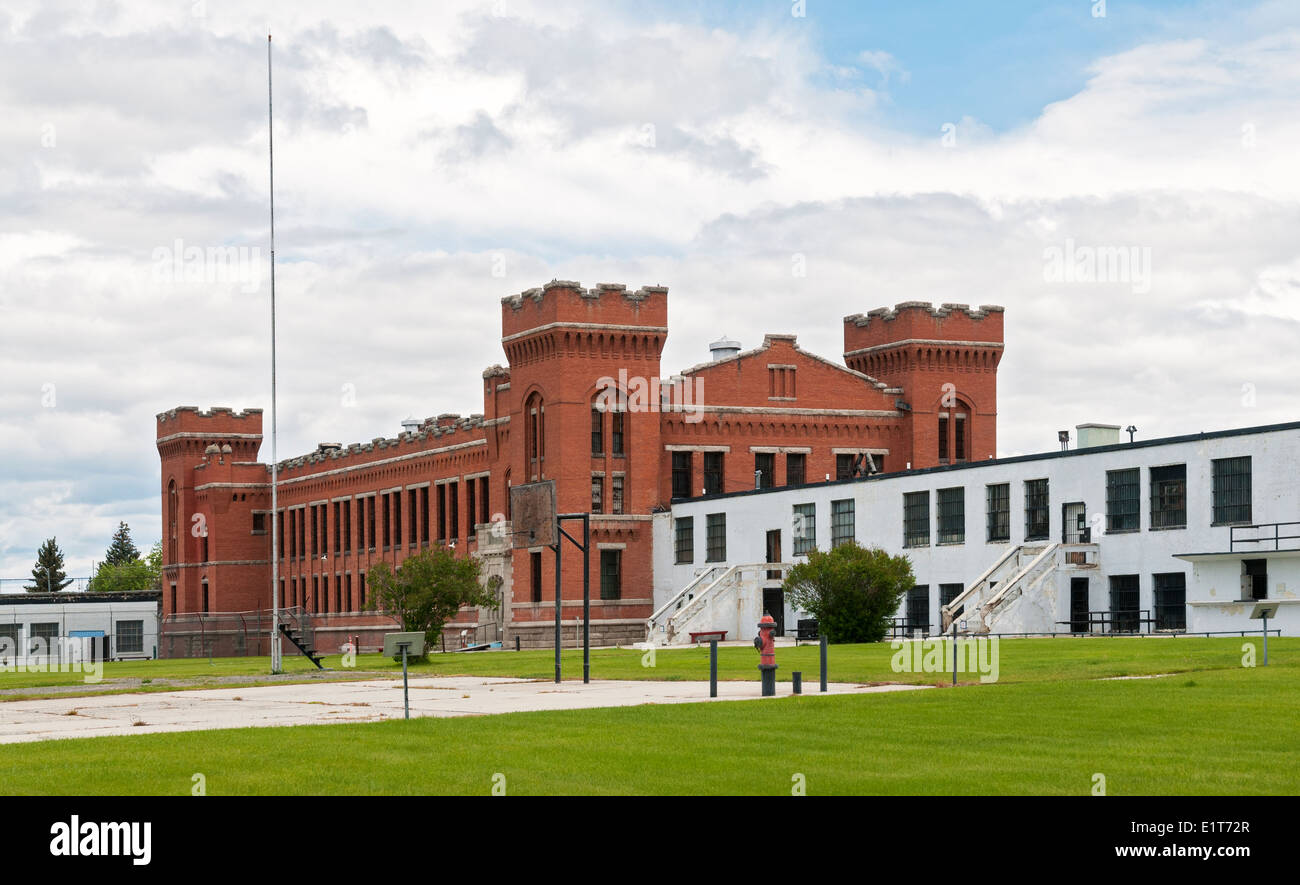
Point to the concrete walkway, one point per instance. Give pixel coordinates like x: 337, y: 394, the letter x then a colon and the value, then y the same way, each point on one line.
x: 368, y: 701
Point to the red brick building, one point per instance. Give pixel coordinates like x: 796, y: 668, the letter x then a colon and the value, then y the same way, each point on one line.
x: 582, y: 402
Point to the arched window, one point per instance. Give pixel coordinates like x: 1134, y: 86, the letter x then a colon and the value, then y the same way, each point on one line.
x: 954, y: 433
x: 171, y: 521
x: 535, y: 434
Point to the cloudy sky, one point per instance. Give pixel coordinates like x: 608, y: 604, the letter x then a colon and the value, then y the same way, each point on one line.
x: 777, y: 164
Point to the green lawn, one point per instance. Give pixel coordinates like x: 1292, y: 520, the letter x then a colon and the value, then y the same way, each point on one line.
x: 1021, y: 660
x: 1211, y: 732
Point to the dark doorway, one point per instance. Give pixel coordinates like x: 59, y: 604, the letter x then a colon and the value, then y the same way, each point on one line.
x: 1074, y: 523
x: 774, y: 605
x: 1254, y: 581
x: 774, y: 553
x: 1079, y: 605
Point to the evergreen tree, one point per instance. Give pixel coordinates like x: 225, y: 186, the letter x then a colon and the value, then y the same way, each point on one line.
x: 123, y: 549
x: 49, y: 574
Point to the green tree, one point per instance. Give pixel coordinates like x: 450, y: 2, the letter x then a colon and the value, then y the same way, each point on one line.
x: 427, y: 590
x: 851, y: 590
x: 48, y: 575
x: 134, y: 576
x: 123, y: 549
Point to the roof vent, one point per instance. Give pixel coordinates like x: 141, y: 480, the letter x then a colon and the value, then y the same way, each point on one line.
x: 723, y: 348
x: 411, y: 425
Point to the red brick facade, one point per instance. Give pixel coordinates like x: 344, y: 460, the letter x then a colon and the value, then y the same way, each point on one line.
x: 551, y: 415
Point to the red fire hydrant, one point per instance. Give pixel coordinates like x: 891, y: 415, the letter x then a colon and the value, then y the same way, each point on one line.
x: 765, y: 642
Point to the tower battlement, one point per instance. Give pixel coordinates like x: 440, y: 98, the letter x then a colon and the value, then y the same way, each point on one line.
x: 563, y: 302
x: 922, y: 321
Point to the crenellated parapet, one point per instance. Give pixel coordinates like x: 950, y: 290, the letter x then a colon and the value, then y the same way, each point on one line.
x: 440, y: 432
x: 566, y: 304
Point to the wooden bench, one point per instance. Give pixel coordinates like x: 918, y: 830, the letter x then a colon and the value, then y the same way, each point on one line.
x: 720, y: 634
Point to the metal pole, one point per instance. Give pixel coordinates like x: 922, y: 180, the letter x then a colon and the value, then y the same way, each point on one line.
x: 1265, y: 640
x: 276, y: 663
x: 558, y: 608
x: 406, y: 695
x: 713, y: 668
x: 823, y: 639
x: 954, y: 653
x: 586, y: 598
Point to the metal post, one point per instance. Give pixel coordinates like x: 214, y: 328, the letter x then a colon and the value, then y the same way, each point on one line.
x: 823, y: 638
x: 797, y: 678
x: 558, y: 608
x: 406, y: 696
x: 1265, y: 640
x: 276, y: 663
x: 954, y: 654
x: 516, y: 642
x: 713, y: 668
x: 586, y: 598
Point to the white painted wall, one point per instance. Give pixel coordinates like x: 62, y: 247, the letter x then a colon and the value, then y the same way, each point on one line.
x: 1076, y: 476
x: 83, y: 616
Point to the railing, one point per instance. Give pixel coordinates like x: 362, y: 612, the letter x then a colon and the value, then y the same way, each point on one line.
x: 945, y: 612
x: 680, y: 598
x: 697, y: 596
x: 1276, y: 539
x: 1017, y: 583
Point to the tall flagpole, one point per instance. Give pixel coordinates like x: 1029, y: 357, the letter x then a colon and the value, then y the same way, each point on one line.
x: 276, y: 663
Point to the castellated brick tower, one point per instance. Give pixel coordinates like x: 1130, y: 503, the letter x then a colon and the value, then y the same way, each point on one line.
x: 562, y: 341
x: 945, y: 359
x: 215, y: 511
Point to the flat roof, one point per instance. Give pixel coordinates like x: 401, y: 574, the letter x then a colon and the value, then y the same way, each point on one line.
x: 1017, y: 459
x: 75, y: 598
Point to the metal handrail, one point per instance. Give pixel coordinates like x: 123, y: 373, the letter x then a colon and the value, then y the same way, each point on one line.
x: 1277, y: 538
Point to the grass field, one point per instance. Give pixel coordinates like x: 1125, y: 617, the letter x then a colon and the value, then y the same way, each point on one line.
x: 1021, y: 660
x: 1215, y: 731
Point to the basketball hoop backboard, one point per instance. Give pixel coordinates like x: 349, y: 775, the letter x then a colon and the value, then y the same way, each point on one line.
x: 532, y: 514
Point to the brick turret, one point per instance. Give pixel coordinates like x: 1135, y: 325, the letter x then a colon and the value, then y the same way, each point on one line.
x: 945, y: 359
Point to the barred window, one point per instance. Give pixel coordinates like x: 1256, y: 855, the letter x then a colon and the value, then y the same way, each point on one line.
x: 9, y: 641
x: 765, y: 468
x: 804, y: 528
x: 597, y: 430
x: 535, y: 574
x: 713, y: 474
x: 1232, y: 493
x: 918, y: 608
x: 616, y: 494
x: 1171, y: 601
x: 1122, y: 494
x: 795, y: 468
x: 715, y: 537
x: 916, y: 519
x: 1169, y: 497
x: 1037, y: 516
x: 998, y: 508
x: 611, y: 574
x: 682, y: 485
x: 844, y: 466
x: 130, y: 637
x: 618, y: 441
x: 952, y: 516
x: 943, y: 439
x: 685, y: 539
x: 598, y: 494
x: 43, y: 638
x: 1124, y: 594
x: 842, y: 518
x: 949, y: 591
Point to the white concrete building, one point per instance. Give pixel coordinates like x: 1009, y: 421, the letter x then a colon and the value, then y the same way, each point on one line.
x: 1182, y: 534
x: 116, y: 625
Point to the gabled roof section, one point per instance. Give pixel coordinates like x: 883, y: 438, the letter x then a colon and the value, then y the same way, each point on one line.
x: 821, y: 383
